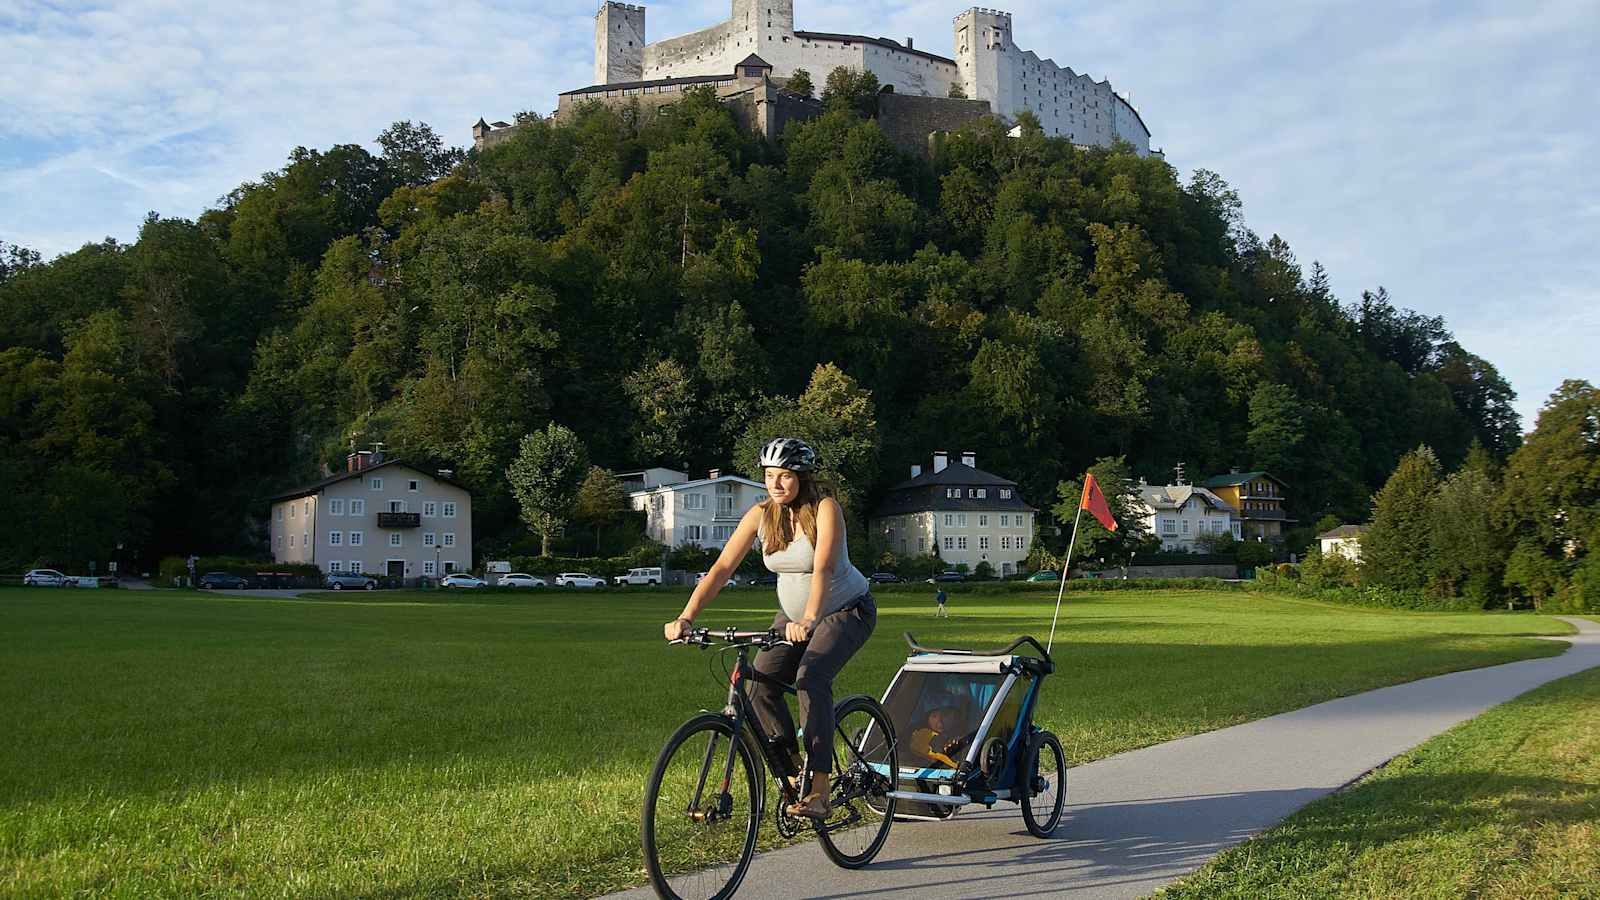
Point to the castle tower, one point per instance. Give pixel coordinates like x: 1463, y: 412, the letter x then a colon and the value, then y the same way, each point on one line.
x: 986, y: 58
x: 759, y: 26
x: 618, y: 43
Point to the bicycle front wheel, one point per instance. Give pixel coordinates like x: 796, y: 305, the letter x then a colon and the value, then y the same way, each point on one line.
x: 864, y: 771
x: 702, y: 807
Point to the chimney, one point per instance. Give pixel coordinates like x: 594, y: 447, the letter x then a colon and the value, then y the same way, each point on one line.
x: 910, y: 45
x: 916, y: 471
x: 714, y: 473
x: 969, y: 459
x: 359, y: 460
x: 941, y: 460
x: 447, y: 473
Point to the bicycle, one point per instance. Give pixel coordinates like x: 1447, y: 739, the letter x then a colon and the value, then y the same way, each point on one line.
x: 707, y: 793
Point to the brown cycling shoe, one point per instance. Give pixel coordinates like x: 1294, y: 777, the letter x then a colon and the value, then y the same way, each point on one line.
x: 811, y: 806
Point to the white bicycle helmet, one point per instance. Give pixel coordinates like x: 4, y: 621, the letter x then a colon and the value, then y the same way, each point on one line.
x: 789, y: 453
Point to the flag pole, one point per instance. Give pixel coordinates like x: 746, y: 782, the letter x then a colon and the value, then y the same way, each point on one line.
x: 1066, y: 570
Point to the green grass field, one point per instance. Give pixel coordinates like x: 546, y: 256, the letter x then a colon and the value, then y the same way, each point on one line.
x: 1504, y: 806
x: 181, y: 744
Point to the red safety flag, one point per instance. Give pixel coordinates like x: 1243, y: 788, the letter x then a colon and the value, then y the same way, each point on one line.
x: 1095, y: 502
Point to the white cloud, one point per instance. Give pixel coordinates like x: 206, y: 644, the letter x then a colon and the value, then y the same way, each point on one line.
x: 1444, y: 150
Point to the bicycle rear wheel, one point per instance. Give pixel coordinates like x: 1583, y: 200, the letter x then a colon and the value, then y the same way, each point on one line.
x: 864, y: 770
x: 699, y: 827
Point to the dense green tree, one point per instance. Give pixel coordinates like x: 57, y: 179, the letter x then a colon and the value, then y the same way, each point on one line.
x: 1468, y: 549
x: 837, y: 417
x: 800, y: 83
x: 545, y: 477
x: 1397, y: 550
x: 1121, y: 491
x: 601, y: 501
x: 1550, y: 504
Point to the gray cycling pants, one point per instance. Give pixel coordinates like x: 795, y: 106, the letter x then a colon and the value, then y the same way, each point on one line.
x: 811, y: 667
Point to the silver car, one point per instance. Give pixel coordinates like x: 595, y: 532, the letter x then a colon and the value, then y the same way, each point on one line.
x: 338, y: 581
x: 521, y: 580
x: 47, y: 578
x: 462, y: 580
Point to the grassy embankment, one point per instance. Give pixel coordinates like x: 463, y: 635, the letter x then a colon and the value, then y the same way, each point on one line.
x: 180, y: 744
x: 1504, y: 806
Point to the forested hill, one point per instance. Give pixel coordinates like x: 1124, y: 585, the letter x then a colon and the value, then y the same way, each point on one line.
x: 658, y: 288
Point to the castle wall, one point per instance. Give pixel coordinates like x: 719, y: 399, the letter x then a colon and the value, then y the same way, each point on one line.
x: 909, y: 120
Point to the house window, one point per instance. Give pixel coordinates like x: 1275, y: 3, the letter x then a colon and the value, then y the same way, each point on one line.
x: 355, y: 566
x: 427, y: 567
x: 949, y: 520
x: 397, y: 506
x: 358, y: 507
x: 411, y: 485
x: 449, y: 538
x: 722, y: 533
x: 1005, y: 520
x: 983, y: 521
x: 922, y: 545
x: 427, y: 539
x: 961, y: 520
x: 449, y: 510
x: 1005, y: 542
x: 307, y: 510
x: 983, y: 542
x: 335, y: 566
x: 1022, y: 542
x: 280, y: 514
x: 1169, y: 526
x: 1185, y: 526
x: 694, y: 532
x: 335, y: 507
x: 983, y: 493
x: 355, y: 539
x: 375, y: 484
x: 395, y: 539
x: 449, y: 566
x: 305, y: 539
x: 291, y: 540
x: 335, y: 538
x: 694, y: 501
x: 949, y: 543
x: 430, y: 509
x: 280, y: 540
x: 952, y: 493
x: 291, y: 510
x: 1005, y: 493
x: 961, y: 542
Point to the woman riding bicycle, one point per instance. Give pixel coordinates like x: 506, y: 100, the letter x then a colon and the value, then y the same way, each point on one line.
x: 825, y: 607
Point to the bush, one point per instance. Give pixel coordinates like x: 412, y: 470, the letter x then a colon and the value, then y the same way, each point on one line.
x: 984, y: 571
x: 553, y: 565
x: 1329, y: 571
x: 300, y: 574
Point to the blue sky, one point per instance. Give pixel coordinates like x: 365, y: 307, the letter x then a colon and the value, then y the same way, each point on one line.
x: 1446, y: 150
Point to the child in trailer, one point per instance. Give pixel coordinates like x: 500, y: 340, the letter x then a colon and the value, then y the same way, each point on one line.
x: 933, y: 746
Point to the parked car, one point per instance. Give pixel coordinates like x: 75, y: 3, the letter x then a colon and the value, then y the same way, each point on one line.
x: 521, y: 580
x: 223, y: 580
x: 948, y: 576
x: 646, y: 575
x: 765, y: 579
x: 733, y: 580
x: 579, y: 579
x: 47, y: 578
x: 462, y: 580
x: 1045, y: 575
x: 340, y: 580
x: 885, y: 578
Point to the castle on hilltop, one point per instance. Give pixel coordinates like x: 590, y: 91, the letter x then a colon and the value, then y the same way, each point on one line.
x: 990, y: 73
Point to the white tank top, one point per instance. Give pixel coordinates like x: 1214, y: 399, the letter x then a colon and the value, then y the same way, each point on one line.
x: 795, y: 564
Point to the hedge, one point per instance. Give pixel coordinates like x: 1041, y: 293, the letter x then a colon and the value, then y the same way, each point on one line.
x: 1284, y: 579
x: 175, y: 567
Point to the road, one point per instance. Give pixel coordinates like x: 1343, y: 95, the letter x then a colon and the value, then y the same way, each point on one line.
x: 1142, y: 819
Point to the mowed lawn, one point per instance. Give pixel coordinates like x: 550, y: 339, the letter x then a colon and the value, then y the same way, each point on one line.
x: 182, y: 744
x: 1504, y: 806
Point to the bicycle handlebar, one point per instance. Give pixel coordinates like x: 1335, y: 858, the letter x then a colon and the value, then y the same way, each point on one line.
x: 704, y: 637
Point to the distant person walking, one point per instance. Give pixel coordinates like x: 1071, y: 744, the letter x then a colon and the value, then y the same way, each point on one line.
x: 941, y: 611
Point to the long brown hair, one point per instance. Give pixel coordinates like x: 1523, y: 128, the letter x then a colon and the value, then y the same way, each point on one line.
x: 779, y: 528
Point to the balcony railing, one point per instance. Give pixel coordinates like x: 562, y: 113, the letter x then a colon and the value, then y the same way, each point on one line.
x: 399, y: 520
x: 1262, y: 514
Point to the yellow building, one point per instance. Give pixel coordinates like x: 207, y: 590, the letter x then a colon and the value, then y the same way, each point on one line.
x: 1258, y: 499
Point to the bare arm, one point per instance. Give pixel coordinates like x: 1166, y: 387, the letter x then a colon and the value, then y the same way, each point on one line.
x: 733, y: 553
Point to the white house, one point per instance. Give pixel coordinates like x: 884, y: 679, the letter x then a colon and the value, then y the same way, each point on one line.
x: 958, y: 512
x: 1180, y: 514
x: 703, y: 511
x: 381, y: 518
x: 1344, y: 540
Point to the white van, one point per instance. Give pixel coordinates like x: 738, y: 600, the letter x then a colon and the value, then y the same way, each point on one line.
x: 648, y: 575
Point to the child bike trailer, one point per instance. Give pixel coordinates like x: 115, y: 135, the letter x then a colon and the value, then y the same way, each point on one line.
x: 966, y: 732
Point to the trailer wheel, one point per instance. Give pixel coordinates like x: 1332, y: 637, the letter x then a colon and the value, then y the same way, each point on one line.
x: 1043, y: 785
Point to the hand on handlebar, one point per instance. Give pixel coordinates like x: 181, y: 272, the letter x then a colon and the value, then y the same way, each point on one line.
x: 677, y: 628
x: 798, y: 632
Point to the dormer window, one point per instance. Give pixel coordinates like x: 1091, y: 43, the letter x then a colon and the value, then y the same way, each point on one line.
x: 1005, y: 493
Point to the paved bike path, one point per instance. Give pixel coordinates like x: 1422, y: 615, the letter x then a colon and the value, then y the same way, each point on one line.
x: 1142, y: 819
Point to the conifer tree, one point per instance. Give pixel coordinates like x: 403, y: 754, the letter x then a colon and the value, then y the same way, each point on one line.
x: 1395, y: 550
